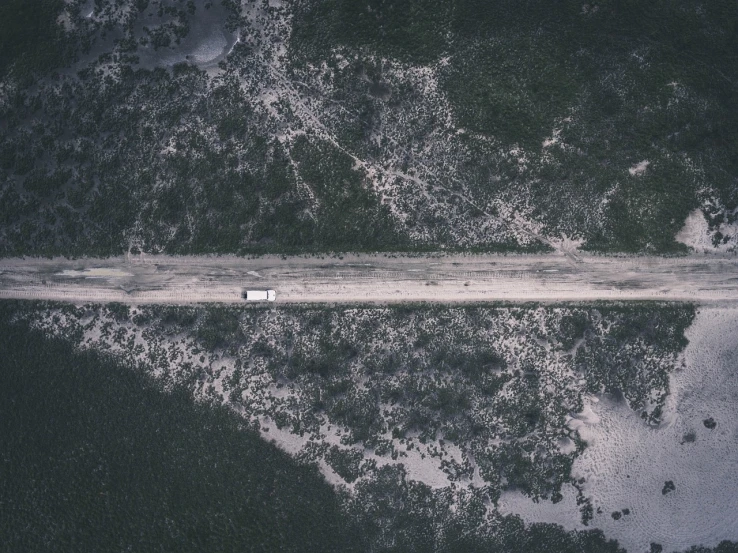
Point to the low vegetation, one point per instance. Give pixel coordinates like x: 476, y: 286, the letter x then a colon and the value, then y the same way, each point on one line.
x: 337, y: 126
x: 97, y: 458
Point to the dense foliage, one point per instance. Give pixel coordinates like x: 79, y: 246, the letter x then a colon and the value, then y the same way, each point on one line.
x: 609, y: 84
x: 96, y: 458
x: 201, y: 126
x: 30, y: 38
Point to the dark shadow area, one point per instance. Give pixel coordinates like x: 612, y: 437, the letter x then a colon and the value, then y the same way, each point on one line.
x: 95, y: 458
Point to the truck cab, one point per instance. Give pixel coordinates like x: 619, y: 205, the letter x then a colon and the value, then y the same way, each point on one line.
x: 259, y: 295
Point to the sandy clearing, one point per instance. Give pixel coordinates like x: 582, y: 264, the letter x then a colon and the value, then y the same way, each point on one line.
x: 639, y: 168
x: 628, y: 462
x: 373, y: 278
x: 697, y: 235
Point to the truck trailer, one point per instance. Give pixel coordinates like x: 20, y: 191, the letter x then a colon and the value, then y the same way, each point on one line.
x: 259, y: 295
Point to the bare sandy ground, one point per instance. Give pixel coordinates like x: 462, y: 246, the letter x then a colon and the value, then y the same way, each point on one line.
x: 382, y: 278
x: 627, y: 462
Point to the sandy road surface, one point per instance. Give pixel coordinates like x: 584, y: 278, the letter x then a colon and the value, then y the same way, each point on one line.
x: 372, y: 278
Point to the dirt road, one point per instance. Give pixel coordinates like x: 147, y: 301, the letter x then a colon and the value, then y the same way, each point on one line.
x: 372, y: 278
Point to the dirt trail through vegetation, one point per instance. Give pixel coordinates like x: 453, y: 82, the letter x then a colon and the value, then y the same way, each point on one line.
x: 372, y: 278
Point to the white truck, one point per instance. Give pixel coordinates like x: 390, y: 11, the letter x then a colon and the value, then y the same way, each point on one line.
x: 259, y: 295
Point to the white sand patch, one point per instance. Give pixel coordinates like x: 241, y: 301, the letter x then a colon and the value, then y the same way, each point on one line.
x: 697, y: 235
x: 282, y: 438
x: 65, y: 22
x: 552, y: 140
x: 210, y: 49
x: 565, y: 513
x: 627, y: 462
x: 100, y: 272
x: 567, y: 446
x: 421, y: 467
x: 639, y: 168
